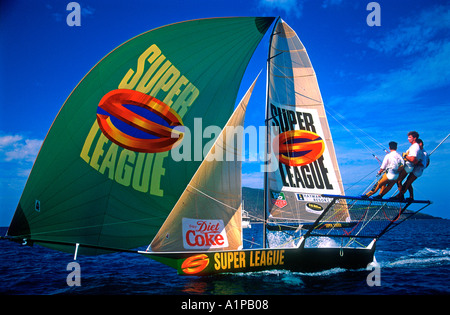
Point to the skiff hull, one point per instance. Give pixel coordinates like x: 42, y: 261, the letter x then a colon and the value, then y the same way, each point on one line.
x: 295, y: 259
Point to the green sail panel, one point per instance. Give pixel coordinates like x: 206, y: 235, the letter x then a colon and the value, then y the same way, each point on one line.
x: 105, y: 175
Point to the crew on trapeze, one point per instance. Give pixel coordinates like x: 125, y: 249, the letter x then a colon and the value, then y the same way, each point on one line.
x: 416, y: 161
x: 392, y: 165
x: 396, y: 168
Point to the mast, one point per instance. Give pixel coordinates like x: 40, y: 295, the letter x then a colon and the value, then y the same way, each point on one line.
x: 266, y: 160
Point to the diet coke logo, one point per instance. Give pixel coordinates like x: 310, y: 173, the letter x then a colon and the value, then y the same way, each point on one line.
x: 204, y: 234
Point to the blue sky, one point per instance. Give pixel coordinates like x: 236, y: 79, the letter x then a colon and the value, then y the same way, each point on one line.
x: 379, y: 82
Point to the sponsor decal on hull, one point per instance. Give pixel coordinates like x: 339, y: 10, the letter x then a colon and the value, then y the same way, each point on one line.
x: 233, y: 261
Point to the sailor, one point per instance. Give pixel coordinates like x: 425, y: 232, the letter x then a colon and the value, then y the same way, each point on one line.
x: 392, y: 165
x: 410, y: 158
x: 417, y: 171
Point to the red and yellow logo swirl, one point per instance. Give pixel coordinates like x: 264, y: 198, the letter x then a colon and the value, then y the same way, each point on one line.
x: 149, y: 135
x: 298, y: 147
x: 195, y: 264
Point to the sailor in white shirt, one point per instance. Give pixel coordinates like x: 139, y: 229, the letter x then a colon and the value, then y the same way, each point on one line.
x: 424, y: 161
x: 419, y: 168
x: 391, y: 166
x: 411, y: 159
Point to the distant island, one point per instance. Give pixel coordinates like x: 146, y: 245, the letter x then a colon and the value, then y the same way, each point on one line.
x: 254, y: 202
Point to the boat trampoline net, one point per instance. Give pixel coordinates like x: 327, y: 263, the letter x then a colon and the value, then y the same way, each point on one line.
x: 369, y: 219
x: 364, y: 221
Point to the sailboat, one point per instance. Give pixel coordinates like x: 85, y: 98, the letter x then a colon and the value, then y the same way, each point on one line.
x: 121, y: 168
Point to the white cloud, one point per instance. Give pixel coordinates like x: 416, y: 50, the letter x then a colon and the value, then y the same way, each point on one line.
x: 8, y: 140
x: 16, y: 148
x: 407, y: 83
x: 407, y: 96
x: 420, y: 47
x: 420, y: 34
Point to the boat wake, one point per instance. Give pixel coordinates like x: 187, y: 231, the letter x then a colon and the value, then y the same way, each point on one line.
x: 422, y: 258
x: 426, y: 257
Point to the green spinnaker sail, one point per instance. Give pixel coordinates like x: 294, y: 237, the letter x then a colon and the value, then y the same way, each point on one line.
x: 85, y: 187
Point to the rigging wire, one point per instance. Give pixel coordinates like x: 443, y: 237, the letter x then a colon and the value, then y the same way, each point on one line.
x: 358, y: 138
x: 370, y: 185
x: 377, y: 143
x: 439, y: 144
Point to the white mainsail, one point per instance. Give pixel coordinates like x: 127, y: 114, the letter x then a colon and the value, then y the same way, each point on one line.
x: 300, y: 137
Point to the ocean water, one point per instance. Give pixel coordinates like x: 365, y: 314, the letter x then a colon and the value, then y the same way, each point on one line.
x: 414, y: 260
